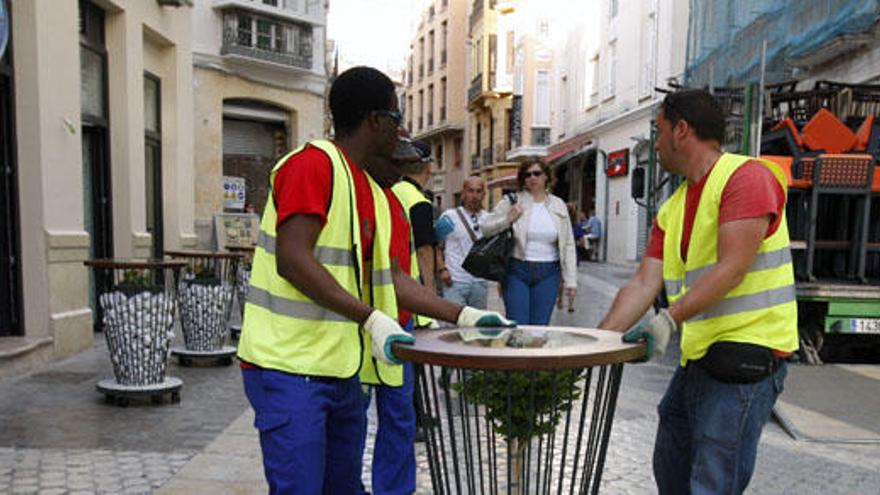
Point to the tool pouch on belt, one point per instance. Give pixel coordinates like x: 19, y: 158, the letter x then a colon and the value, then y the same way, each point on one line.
x: 738, y: 362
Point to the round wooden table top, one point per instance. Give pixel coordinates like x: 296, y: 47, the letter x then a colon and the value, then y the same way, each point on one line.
x: 203, y: 254
x: 521, y: 348
x: 134, y: 264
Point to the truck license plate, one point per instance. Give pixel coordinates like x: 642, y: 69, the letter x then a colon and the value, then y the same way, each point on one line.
x: 864, y: 325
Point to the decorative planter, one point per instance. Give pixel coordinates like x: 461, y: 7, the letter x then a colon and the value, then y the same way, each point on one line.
x: 527, y: 410
x: 136, y: 301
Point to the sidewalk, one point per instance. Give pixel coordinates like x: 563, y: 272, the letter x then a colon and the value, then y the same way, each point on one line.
x: 58, y: 435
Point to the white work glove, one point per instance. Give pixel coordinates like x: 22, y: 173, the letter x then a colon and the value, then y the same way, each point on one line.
x: 385, y: 331
x: 654, y: 332
x: 473, y: 317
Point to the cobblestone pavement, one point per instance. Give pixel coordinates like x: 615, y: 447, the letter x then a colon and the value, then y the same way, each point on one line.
x: 58, y: 436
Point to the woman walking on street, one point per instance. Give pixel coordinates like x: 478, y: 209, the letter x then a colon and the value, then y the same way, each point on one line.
x: 544, y: 251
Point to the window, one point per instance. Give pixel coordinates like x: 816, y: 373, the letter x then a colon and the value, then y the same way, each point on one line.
x: 444, y: 32
x: 442, y: 99
x: 431, y: 51
x: 153, y: 163
x: 542, y: 99
x: 543, y: 29
x: 245, y: 30
x: 430, y: 105
x: 421, y: 108
x: 438, y: 156
x: 273, y: 3
x: 613, y: 8
x: 478, y: 57
x: 649, y: 56
x: 591, y: 82
x: 610, y: 71
x: 264, y: 34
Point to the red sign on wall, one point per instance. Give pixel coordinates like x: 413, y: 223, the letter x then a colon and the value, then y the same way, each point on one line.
x: 618, y: 163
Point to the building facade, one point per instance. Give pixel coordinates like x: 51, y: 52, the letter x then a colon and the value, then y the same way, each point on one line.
x: 96, y: 128
x: 610, y: 100
x: 434, y: 94
x: 259, y: 78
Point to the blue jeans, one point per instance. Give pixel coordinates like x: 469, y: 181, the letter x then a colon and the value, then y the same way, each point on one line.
x: 709, y: 431
x: 472, y: 294
x: 530, y: 290
x: 309, y: 431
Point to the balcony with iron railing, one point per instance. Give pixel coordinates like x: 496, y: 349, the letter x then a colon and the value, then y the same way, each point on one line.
x: 476, y: 88
x: 265, y: 39
x: 487, y: 157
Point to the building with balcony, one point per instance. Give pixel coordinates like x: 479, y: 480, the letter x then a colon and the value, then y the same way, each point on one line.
x: 259, y: 74
x: 434, y: 94
x: 96, y: 141
x: 490, y: 100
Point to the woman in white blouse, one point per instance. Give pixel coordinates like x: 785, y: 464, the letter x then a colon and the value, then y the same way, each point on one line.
x: 544, y: 251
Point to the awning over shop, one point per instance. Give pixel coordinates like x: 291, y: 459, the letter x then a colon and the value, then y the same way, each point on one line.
x: 559, y: 152
x: 504, y: 182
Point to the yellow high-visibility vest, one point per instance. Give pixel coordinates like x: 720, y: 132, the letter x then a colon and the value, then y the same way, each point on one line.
x: 283, y: 329
x: 409, y: 196
x: 761, y: 309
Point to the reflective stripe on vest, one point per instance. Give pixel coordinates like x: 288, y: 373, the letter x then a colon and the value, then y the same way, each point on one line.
x: 284, y: 329
x: 762, y: 308
x: 381, y: 295
x: 409, y: 196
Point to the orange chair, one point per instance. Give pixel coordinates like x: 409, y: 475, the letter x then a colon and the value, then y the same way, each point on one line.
x: 863, y: 135
x: 826, y: 132
x: 792, y: 127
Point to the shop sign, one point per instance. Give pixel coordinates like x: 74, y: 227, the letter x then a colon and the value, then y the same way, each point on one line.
x: 618, y: 163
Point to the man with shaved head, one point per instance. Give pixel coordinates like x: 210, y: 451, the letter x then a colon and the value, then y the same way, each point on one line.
x: 460, y: 227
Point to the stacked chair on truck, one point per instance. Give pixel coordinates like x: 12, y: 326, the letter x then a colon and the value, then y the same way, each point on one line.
x: 827, y: 140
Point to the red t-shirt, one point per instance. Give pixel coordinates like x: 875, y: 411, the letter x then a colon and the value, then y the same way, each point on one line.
x: 751, y: 192
x: 303, y: 186
x: 400, y: 249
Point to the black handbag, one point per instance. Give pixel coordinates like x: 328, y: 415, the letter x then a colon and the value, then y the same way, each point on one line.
x: 489, y: 256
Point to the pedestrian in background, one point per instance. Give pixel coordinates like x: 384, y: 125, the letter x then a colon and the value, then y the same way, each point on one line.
x: 720, y: 245
x: 458, y: 228
x: 393, y: 462
x: 544, y: 250
x: 593, y: 232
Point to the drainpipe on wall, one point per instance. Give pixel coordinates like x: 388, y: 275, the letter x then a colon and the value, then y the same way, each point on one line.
x: 605, y: 213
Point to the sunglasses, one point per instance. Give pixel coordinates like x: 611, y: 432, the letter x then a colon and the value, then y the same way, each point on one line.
x: 534, y: 173
x: 396, y: 117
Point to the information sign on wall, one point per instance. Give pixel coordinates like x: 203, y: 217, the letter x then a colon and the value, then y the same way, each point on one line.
x: 233, y: 192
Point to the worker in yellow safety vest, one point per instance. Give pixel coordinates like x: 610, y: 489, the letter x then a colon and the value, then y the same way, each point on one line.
x: 720, y: 247
x: 324, y: 295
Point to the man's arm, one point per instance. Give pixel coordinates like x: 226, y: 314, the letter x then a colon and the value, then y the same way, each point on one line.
x: 738, y: 243
x: 295, y: 243
x: 416, y: 298
x: 635, y: 297
x: 425, y: 256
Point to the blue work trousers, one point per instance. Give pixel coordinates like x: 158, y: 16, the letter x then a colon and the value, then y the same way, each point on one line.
x: 310, y: 429
x: 394, y: 454
x: 530, y: 290
x: 708, y: 434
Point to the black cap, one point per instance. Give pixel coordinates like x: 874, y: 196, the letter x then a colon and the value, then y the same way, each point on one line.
x: 423, y: 149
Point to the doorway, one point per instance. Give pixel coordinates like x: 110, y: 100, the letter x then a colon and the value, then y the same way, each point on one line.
x: 10, y: 274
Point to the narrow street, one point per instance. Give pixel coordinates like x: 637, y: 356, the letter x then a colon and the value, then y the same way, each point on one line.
x: 59, y: 436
